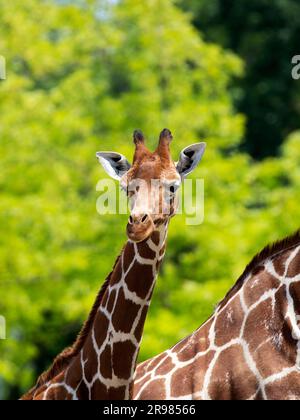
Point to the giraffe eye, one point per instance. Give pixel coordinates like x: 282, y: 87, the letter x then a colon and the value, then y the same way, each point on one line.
x: 174, y: 187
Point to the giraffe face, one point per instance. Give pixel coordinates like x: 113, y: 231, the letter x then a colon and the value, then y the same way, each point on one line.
x: 151, y: 182
x: 151, y: 186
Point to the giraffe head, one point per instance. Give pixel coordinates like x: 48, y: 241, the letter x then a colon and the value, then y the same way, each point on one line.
x: 151, y: 182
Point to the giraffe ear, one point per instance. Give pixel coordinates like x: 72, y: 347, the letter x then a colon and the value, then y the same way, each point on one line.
x: 189, y: 158
x: 114, y: 164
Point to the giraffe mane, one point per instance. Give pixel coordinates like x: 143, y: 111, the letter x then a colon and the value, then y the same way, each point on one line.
x: 270, y: 251
x: 65, y: 357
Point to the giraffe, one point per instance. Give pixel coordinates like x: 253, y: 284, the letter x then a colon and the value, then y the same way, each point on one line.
x: 102, y: 361
x: 249, y: 349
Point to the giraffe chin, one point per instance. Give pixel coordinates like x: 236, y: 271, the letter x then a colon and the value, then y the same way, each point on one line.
x: 139, y: 233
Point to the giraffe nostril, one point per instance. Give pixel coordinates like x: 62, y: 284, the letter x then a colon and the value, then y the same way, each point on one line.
x: 144, y: 218
x: 130, y: 220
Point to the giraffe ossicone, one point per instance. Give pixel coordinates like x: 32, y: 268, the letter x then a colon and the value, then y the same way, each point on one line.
x: 102, y: 361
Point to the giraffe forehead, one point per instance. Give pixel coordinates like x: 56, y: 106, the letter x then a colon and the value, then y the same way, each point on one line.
x: 153, y: 168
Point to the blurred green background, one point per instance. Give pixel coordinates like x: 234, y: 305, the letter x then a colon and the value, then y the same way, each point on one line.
x: 81, y: 76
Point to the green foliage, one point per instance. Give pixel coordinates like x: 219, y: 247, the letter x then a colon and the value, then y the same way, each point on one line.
x: 266, y: 35
x: 81, y: 77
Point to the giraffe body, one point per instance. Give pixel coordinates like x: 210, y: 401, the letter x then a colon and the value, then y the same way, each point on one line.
x: 248, y: 349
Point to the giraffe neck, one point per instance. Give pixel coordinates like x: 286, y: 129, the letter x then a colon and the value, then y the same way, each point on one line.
x: 104, y: 367
x: 248, y: 349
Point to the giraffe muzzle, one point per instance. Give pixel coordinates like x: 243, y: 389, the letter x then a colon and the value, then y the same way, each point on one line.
x: 139, y: 228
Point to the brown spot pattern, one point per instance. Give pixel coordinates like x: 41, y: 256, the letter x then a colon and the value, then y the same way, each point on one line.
x: 124, y: 314
x: 140, y: 279
x: 232, y: 377
x: 122, y: 365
